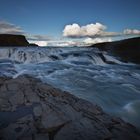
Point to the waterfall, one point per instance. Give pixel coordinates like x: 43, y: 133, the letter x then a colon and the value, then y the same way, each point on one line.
x: 41, y: 55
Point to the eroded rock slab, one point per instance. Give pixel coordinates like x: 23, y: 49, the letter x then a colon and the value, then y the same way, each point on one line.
x: 30, y: 109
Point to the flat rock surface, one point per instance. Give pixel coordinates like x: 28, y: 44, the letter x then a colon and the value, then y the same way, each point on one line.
x: 32, y: 110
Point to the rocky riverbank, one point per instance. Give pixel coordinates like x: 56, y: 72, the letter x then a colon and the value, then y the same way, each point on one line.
x: 127, y: 50
x: 30, y: 109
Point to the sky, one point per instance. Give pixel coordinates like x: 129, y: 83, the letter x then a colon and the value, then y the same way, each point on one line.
x: 70, y: 22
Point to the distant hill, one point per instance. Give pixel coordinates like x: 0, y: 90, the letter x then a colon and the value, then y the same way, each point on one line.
x: 128, y: 50
x: 14, y: 40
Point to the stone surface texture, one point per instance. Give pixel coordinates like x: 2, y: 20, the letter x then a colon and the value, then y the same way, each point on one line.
x: 33, y: 110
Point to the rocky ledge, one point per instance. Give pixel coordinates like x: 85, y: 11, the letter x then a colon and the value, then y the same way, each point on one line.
x: 14, y: 40
x: 128, y: 50
x: 32, y: 110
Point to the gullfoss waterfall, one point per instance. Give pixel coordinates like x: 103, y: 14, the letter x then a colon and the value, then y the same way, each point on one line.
x: 85, y: 72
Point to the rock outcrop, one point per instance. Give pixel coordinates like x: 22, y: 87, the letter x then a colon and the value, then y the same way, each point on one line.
x: 14, y: 40
x: 128, y: 50
x: 32, y: 110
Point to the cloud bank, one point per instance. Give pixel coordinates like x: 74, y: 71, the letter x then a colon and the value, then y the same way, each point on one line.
x: 8, y: 28
x: 39, y: 43
x: 38, y: 37
x: 131, y: 32
x: 90, y: 41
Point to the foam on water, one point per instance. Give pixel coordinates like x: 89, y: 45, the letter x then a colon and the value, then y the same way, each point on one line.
x: 131, y: 112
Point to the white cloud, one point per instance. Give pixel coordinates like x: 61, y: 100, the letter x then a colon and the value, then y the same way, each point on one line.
x: 72, y: 30
x: 63, y: 43
x: 66, y: 43
x: 90, y: 30
x: 56, y: 43
x: 35, y: 37
x: 75, y: 30
x: 39, y: 43
x: 131, y: 32
x: 8, y: 28
x: 69, y: 43
x: 81, y: 42
x: 90, y: 41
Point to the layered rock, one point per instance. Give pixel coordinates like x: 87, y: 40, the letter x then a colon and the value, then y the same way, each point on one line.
x: 30, y: 109
x: 128, y: 50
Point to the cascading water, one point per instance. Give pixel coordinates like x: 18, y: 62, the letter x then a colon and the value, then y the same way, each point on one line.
x: 84, y: 73
x: 39, y: 55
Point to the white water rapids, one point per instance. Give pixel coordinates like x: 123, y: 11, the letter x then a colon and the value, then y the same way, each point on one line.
x: 82, y: 72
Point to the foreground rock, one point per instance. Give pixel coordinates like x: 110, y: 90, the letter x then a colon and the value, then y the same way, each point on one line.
x: 30, y: 109
x: 14, y: 40
x: 128, y: 50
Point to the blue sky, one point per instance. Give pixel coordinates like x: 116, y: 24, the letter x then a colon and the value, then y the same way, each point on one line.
x: 49, y: 17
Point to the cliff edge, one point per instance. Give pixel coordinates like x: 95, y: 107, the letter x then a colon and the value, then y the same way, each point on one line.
x: 14, y: 40
x: 128, y: 50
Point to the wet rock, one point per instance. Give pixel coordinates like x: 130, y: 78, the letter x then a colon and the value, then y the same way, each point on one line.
x: 51, y: 114
x: 21, y: 128
x: 4, y: 105
x: 37, y: 111
x: 17, y: 99
x: 41, y: 137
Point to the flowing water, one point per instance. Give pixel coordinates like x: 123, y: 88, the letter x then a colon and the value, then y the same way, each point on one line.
x: 82, y: 72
